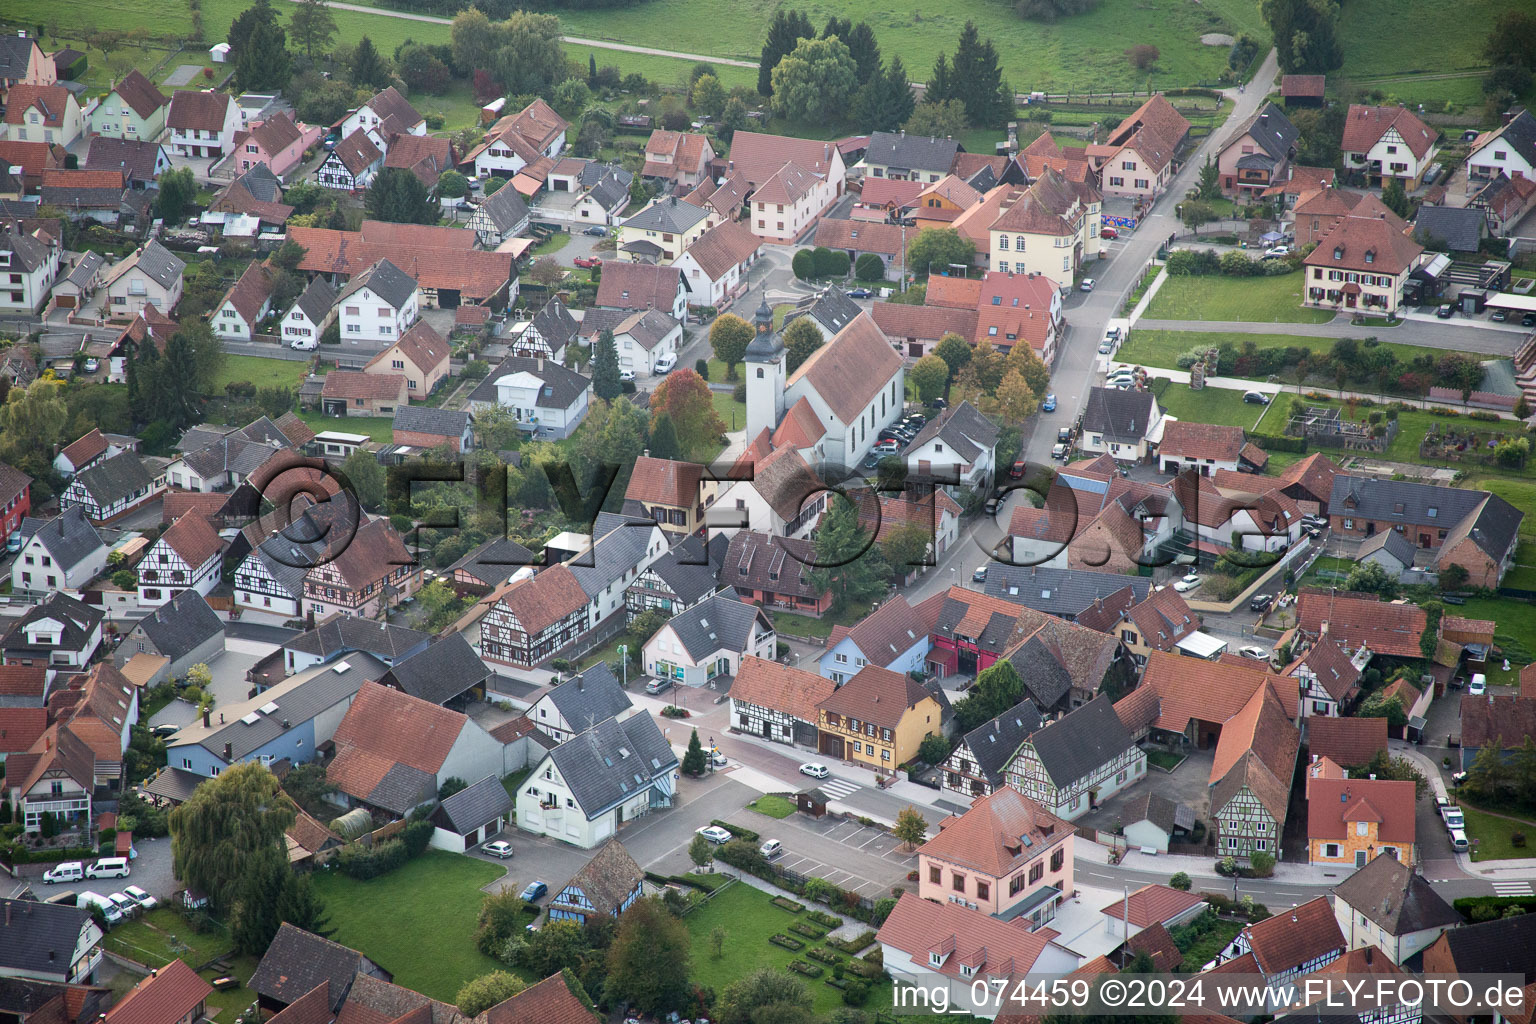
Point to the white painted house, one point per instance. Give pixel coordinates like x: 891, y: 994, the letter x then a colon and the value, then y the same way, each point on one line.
x: 63, y: 553
x: 202, y: 123
x: 709, y: 640
x: 188, y: 556
x: 151, y: 276
x: 245, y: 305
x: 380, y: 304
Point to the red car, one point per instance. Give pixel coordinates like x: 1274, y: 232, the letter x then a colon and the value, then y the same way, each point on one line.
x: 585, y: 262
x: 1109, y: 233
x: 1017, y: 470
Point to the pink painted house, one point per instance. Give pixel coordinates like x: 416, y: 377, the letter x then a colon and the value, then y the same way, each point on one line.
x: 1007, y: 856
x: 277, y: 142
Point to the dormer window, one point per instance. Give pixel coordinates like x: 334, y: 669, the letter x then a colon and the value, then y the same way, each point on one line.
x: 935, y: 960
x: 1370, y: 255
x: 1338, y: 252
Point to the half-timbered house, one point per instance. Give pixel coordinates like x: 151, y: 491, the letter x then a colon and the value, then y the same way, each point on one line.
x: 548, y: 333
x: 527, y: 621
x: 351, y: 166
x: 1251, y: 778
x: 271, y: 577
x: 188, y: 556
x: 777, y: 702
x: 373, y: 573
x: 575, y: 704
x: 111, y: 488
x: 978, y: 764
x: 606, y: 887
x: 1074, y: 762
x: 1328, y: 679
x: 686, y: 574
x: 1292, y: 944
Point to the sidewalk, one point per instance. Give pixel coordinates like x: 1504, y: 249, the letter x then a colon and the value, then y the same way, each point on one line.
x: 1510, y: 869
x: 1205, y: 867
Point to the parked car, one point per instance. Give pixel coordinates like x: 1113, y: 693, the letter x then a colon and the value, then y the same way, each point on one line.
x: 586, y: 262
x: 142, y: 898
x: 92, y: 365
x: 14, y: 542
x: 1087, y: 285
x: 1049, y: 405
x: 1109, y: 233
x: 163, y: 731
x: 859, y: 293
x: 991, y: 506
x: 1446, y: 311
x: 814, y: 770
x: 596, y: 232
x: 1059, y: 452
x: 980, y: 575
x: 1188, y: 583
x: 656, y: 686
x: 1106, y: 347
x: 303, y: 344
x: 108, y: 867
x: 665, y: 362
x: 1497, y: 316
x: 500, y: 848
x: 1063, y: 435
x: 626, y: 375
x: 890, y: 446
x: 108, y: 909
x: 1256, y: 653
x: 1454, y: 818
x: 1260, y: 602
x: 1279, y: 252
x: 1478, y: 686
x: 69, y: 871
x: 534, y: 890
x: 1016, y: 470
x: 715, y: 834
x: 1255, y: 398
x: 772, y: 848
x: 717, y: 760
x: 124, y: 905
x: 1529, y: 320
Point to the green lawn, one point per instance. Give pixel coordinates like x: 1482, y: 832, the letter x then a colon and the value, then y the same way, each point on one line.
x: 734, y: 413
x: 749, y: 919
x: 1204, y: 950
x: 417, y: 921
x: 804, y: 625
x: 773, y: 806
x: 1272, y: 299
x: 1326, y: 571
x: 380, y: 428
x: 553, y: 244
x: 164, y: 935
x: 1519, y: 493
x: 1490, y: 836
x: 1513, y: 619
x: 1166, y: 760
x: 264, y: 373
x: 511, y: 782
x: 1212, y: 405
x: 1163, y: 348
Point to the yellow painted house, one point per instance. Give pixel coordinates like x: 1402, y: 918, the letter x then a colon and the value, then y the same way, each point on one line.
x: 663, y: 231
x: 1351, y: 822
x: 877, y: 718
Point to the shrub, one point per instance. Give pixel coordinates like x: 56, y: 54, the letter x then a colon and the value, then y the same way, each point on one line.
x: 1180, y: 881
x: 701, y: 367
x: 803, y: 264
x: 869, y: 267
x: 1263, y: 864
x: 856, y: 993
x: 737, y: 830
x: 363, y: 862
x: 739, y: 392
x: 1517, y: 839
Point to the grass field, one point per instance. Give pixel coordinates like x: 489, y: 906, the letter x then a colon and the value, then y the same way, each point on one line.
x: 734, y: 413
x: 1163, y: 348
x: 749, y: 919
x: 379, y: 428
x: 773, y: 806
x: 1211, y: 405
x: 418, y: 919
x: 264, y: 373
x: 1519, y: 493
x: 163, y: 935
x: 1248, y: 299
x: 1491, y: 836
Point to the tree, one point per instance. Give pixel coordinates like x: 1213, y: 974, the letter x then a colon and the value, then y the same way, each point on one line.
x: 1016, y: 400
x: 1305, y: 34
x: 693, y: 758
x: 271, y: 894
x: 709, y: 95
x: 848, y: 564
x: 571, y: 98
x: 474, y: 39
x: 366, y: 477
x: 648, y: 961
x: 733, y: 117
x: 664, y: 439
x: 1194, y: 212
x: 1180, y: 881
x: 1372, y: 578
x: 1489, y: 775
x: 605, y: 368
x: 869, y: 267
x: 264, y: 61
x: 941, y: 120
x: 700, y: 850
x: 939, y: 249
x: 997, y: 689
x: 240, y: 30
x: 687, y: 401
x: 801, y: 339
x: 421, y: 68
x: 784, y: 32
x: 803, y: 263
x: 1379, y: 705
x: 864, y: 49
x: 955, y: 351
x: 486, y: 991
x: 815, y: 82
x: 906, y: 547
x: 940, y: 86
x: 885, y: 102
x: 368, y: 65
x: 1395, y: 198
x: 531, y: 57
x: 546, y: 272
x: 1523, y: 768
x: 729, y: 337
x: 717, y: 934
x: 312, y: 26
x: 558, y: 946
x: 219, y: 835
x: 501, y: 918
x: 1512, y: 40
x: 911, y: 827
x: 976, y: 79
x: 766, y: 996
x: 398, y: 196
x: 1210, y: 180
x: 452, y: 185
x: 929, y: 375
x: 1142, y: 56
x: 178, y: 190
x: 1023, y: 359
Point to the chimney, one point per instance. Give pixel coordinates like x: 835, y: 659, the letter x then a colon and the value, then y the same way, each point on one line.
x: 229, y: 751
x: 207, y: 719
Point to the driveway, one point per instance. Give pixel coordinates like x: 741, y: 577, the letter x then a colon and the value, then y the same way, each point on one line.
x: 867, y: 860
x: 1188, y: 784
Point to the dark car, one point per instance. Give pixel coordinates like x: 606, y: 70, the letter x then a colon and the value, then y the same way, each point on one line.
x: 917, y: 419
x: 534, y: 890
x: 596, y: 232
x: 1260, y: 602
x: 991, y: 505
x: 1063, y: 435
x: 859, y: 293
x: 1529, y: 320
x: 890, y: 434
x: 1446, y: 311
x: 1255, y: 398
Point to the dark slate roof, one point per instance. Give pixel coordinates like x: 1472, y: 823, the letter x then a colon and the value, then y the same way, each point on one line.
x: 612, y: 761
x: 967, y: 432
x: 608, y: 191
x: 297, y: 961
x: 1086, y: 738
x: 1396, y: 897
x: 261, y: 183
x: 834, y: 310
x: 26, y: 250
x: 1504, y: 946
x: 1395, y: 544
x: 15, y: 55
x: 388, y: 281
x: 136, y: 158
x: 590, y: 697
x: 566, y: 385
x: 1458, y: 228
x: 1159, y: 810
x: 1121, y: 416
x: 994, y: 634
x: 161, y: 265
x: 555, y: 323
x: 619, y: 546
x: 1496, y: 527
x: 690, y: 568
x: 80, y: 621
x: 403, y: 788
x: 1402, y: 501
x: 670, y: 214
x: 343, y: 634
x: 718, y: 624
x: 39, y: 938
x: 911, y: 152
x: 423, y: 419
x: 68, y: 537
x: 1520, y: 135
x: 447, y: 668
x: 1062, y: 592
x: 494, y: 562
x: 317, y: 299
x: 1045, y: 678
x: 473, y: 806
x: 994, y: 743
x: 111, y: 479
x: 181, y: 625
x: 505, y: 209
x: 1269, y: 128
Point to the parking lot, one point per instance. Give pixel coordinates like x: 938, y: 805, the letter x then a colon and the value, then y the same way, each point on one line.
x: 853, y: 856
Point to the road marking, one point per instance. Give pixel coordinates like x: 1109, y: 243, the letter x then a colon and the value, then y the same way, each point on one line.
x: 1512, y: 889
x: 877, y: 835
x: 839, y: 787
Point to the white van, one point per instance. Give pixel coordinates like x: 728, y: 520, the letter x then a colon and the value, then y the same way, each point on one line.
x: 1459, y: 840
x: 108, y: 867
x: 69, y: 871
x: 303, y: 344
x: 96, y: 899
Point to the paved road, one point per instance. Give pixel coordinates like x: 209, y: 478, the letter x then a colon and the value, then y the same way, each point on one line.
x: 1450, y: 337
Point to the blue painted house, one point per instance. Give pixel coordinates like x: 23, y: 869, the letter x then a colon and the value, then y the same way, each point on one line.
x: 287, y: 720
x: 606, y: 887
x: 894, y: 637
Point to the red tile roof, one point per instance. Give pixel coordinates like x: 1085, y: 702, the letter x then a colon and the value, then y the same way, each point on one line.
x: 923, y: 323
x: 1288, y: 940
x: 193, y: 539
x: 23, y: 681
x: 542, y: 601
x: 1365, y: 244
x: 1492, y: 718
x: 432, y: 263
x: 889, y: 192
x: 85, y: 448
x: 98, y: 178
x: 665, y: 482
x: 768, y: 684
x: 1334, y: 805
x: 422, y: 345
x: 789, y: 184
x: 1303, y: 86
x: 426, y: 156
x: 1355, y: 619
x: 354, y: 384
x: 850, y: 369
x: 198, y: 110
x: 956, y: 292
x: 52, y: 100
x: 250, y: 293
x: 1260, y: 728
x: 1192, y: 440
x: 878, y: 696
x: 1014, y: 307
x: 758, y: 157
x: 1153, y: 904
x: 638, y: 286
x: 726, y: 245
x: 140, y: 93
x: 166, y: 996
x: 402, y: 729
x: 1158, y: 114
x: 861, y: 236
x: 1364, y: 126
x: 20, y: 728
x: 992, y: 948
x: 550, y: 1001
x: 987, y: 837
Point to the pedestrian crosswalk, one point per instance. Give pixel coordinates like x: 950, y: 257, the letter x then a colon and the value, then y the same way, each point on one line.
x: 838, y: 788
x: 1513, y: 889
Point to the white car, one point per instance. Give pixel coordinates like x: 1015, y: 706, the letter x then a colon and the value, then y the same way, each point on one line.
x: 772, y: 848
x: 1454, y: 818
x: 626, y: 375
x: 715, y: 834
x: 1086, y: 286
x: 1279, y: 252
x: 814, y: 770
x: 1478, y: 686
x: 500, y: 848
x: 303, y: 344
x: 142, y: 898
x: 1256, y: 653
x: 125, y: 906
x: 666, y: 362
x: 1188, y: 583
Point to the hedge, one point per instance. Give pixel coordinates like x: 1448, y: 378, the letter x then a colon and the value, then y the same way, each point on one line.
x: 1279, y: 443
x: 19, y: 854
x: 736, y: 830
x: 703, y: 883
x: 857, y: 944
x: 365, y: 862
x: 1491, y: 906
x: 788, y: 943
